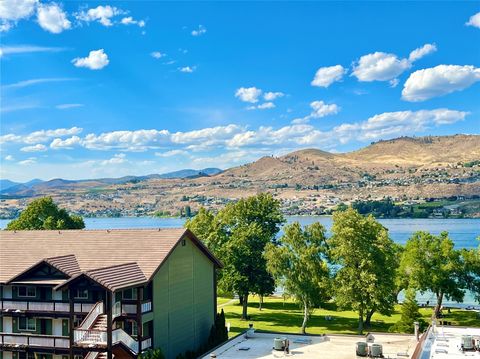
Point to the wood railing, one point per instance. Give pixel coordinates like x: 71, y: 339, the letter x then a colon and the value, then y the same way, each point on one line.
x: 92, y: 316
x: 89, y: 337
x: 43, y: 306
x: 34, y: 340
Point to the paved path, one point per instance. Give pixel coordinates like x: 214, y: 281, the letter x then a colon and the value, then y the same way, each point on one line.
x: 231, y: 301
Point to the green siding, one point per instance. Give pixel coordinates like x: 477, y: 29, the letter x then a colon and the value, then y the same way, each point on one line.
x: 65, y: 328
x: 183, y: 293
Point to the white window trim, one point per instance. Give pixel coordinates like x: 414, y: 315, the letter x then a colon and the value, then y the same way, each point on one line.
x: 81, y: 291
x: 26, y: 289
x: 26, y: 322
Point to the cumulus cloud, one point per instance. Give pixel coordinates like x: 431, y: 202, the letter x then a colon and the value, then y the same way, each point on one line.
x: 248, y: 94
x: 139, y: 140
x: 392, y: 124
x: 101, y: 14
x: 131, y: 21
x: 52, y: 18
x: 68, y: 143
x: 426, y: 49
x: 12, y: 11
x: 381, y: 66
x: 96, y: 60
x: 262, y: 106
x: 271, y: 96
x: 319, y: 109
x: 115, y: 160
x: 474, y: 20
x: 171, y: 153
x: 29, y: 161
x: 9, y: 158
x: 157, y: 54
x: 40, y: 136
x: 325, y: 76
x: 187, y: 69
x: 200, y: 31
x: 36, y: 148
x: 438, y: 81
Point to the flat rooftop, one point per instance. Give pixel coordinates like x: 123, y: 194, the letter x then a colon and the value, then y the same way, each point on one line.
x: 444, y: 342
x: 310, y: 347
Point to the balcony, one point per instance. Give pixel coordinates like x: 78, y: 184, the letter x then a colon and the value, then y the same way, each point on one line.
x: 97, y: 339
x: 53, y: 306
x: 129, y: 307
x: 20, y: 341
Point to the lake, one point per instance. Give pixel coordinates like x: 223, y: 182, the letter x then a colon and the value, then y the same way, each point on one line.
x: 462, y: 231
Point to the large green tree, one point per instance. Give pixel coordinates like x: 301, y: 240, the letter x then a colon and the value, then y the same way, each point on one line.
x: 431, y: 263
x: 299, y: 263
x: 238, y: 235
x: 43, y: 213
x: 471, y: 273
x: 365, y: 255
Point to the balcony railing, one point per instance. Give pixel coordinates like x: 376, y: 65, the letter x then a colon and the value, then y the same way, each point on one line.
x: 119, y: 335
x: 57, y: 306
x: 129, y: 307
x: 146, y: 343
x: 89, y: 337
x: 92, y: 316
x: 33, y: 340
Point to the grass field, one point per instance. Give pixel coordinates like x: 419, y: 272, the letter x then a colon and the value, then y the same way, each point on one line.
x: 286, y: 316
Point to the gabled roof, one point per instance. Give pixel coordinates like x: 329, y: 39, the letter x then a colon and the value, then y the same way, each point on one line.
x: 113, y: 277
x: 93, y: 250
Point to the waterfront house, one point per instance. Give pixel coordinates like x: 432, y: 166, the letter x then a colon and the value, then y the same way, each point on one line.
x: 103, y: 293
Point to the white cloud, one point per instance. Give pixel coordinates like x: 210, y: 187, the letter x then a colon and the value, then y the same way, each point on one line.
x: 40, y: 136
x: 9, y: 158
x: 171, y: 153
x: 131, y: 21
x: 67, y: 143
x: 139, y: 140
x: 262, y: 106
x: 187, y: 69
x: 200, y: 31
x: 157, y: 54
x: 115, y: 160
x: 248, y: 94
x: 319, y: 109
x: 66, y: 106
x: 36, y: 148
x: 12, y: 11
x: 52, y: 18
x: 96, y: 60
x: 25, y: 49
x: 474, y: 20
x: 426, y: 49
x: 400, y: 123
x: 438, y: 81
x: 29, y: 161
x: 271, y: 96
x: 27, y: 83
x: 381, y: 66
x: 325, y: 76
x: 102, y: 14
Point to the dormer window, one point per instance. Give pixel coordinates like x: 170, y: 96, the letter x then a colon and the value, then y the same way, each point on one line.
x: 27, y: 292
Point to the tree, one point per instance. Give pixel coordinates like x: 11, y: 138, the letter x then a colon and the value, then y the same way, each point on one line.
x: 247, y: 226
x: 238, y: 235
x: 299, y: 261
x: 43, y: 213
x: 471, y: 272
x: 432, y: 264
x: 409, y: 315
x: 365, y: 279
x: 152, y: 354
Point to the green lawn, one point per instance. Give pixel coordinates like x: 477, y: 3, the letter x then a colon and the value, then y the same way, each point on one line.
x: 286, y: 316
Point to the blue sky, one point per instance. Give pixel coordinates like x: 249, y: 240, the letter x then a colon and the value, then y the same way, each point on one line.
x: 94, y: 89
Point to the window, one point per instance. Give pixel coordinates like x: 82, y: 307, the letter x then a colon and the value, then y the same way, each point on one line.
x: 129, y: 294
x: 28, y: 324
x: 81, y: 294
x: 27, y: 292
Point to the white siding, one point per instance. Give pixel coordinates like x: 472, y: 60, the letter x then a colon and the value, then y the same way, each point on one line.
x: 57, y: 327
x: 7, y: 325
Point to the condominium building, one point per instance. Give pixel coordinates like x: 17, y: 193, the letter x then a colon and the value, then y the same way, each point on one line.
x: 103, y: 293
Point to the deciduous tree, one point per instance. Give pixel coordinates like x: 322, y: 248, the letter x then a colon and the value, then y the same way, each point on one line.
x: 365, y: 279
x: 299, y: 262
x: 43, y: 213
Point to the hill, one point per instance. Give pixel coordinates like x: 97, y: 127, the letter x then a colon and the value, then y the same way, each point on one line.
x: 407, y: 169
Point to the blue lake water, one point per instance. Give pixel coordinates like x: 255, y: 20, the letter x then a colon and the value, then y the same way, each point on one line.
x: 463, y: 232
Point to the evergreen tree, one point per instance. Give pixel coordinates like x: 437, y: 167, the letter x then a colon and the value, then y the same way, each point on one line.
x: 410, y: 314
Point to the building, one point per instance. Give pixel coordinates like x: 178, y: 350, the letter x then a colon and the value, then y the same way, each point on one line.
x: 99, y: 293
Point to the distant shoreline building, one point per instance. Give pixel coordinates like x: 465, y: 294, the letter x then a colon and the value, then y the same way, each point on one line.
x: 96, y: 293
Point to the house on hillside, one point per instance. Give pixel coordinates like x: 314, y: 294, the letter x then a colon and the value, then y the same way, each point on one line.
x: 102, y: 293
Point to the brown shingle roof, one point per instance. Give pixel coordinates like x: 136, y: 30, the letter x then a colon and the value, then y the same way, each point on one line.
x: 67, y: 264
x: 93, y: 249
